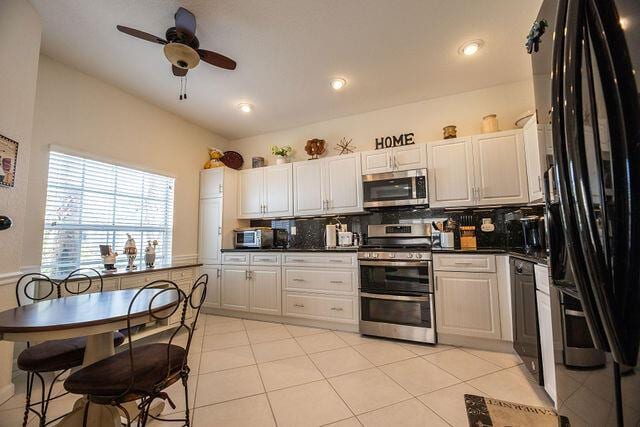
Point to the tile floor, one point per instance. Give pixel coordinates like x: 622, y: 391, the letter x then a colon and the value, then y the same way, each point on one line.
x: 250, y: 373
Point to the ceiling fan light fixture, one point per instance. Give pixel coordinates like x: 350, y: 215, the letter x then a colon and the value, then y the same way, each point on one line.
x: 181, y: 55
x: 245, y: 107
x: 470, y: 48
x: 338, y: 84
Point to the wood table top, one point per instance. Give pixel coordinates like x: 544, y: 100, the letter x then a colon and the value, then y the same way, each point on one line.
x: 83, y: 310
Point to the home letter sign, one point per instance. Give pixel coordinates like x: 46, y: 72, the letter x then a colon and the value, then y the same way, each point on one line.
x: 395, y: 141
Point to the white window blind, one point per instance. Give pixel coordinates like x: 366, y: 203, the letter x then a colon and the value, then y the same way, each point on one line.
x: 91, y: 203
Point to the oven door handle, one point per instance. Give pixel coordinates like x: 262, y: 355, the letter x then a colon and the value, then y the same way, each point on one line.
x: 393, y: 297
x: 395, y: 263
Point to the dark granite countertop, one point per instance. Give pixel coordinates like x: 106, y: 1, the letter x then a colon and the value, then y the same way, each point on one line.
x: 469, y: 251
x: 338, y: 249
x: 538, y: 258
x: 122, y: 271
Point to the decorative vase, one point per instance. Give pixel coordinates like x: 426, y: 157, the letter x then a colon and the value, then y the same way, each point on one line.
x: 281, y: 160
x: 489, y: 123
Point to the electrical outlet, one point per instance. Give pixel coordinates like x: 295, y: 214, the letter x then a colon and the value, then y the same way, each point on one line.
x: 294, y: 230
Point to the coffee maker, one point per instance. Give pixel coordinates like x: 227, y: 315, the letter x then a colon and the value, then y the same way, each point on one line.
x: 533, y: 233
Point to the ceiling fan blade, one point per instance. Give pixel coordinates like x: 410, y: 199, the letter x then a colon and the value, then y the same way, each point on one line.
x: 217, y: 59
x: 185, y: 24
x: 179, y: 72
x: 141, y: 34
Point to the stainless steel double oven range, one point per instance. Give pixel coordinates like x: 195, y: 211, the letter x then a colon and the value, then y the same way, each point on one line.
x: 396, y: 283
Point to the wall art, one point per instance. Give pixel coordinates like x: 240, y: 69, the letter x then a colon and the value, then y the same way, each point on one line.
x: 8, y: 159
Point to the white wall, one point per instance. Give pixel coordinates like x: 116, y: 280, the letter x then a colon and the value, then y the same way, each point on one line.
x: 84, y: 114
x: 20, y: 31
x: 425, y: 118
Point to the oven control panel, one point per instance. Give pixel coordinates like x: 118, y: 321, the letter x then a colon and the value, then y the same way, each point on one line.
x: 394, y: 256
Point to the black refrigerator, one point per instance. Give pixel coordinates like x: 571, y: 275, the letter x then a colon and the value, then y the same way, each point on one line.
x: 586, y: 69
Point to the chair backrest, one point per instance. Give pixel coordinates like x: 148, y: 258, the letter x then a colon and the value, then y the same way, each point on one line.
x: 158, y: 311
x: 84, y: 279
x: 34, y: 287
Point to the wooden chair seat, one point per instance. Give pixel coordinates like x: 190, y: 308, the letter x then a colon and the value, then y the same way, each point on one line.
x: 57, y: 355
x: 111, y: 378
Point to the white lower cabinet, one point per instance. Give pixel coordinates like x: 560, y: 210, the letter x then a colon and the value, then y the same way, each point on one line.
x: 265, y: 290
x: 234, y: 288
x: 321, y: 307
x: 467, y: 304
x: 212, y: 298
x: 546, y: 344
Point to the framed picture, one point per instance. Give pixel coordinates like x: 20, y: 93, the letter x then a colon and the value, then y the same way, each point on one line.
x: 8, y: 159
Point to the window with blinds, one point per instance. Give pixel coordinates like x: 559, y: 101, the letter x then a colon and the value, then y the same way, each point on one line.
x: 91, y: 203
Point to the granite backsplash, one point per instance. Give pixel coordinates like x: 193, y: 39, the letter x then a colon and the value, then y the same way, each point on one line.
x: 507, y: 234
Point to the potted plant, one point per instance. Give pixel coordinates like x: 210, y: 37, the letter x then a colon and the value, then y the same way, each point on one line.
x: 281, y: 153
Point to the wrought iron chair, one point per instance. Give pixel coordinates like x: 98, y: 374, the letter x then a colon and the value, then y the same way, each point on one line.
x: 56, y: 356
x: 143, y: 373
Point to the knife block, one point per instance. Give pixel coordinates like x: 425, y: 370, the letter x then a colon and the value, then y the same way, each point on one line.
x: 468, y: 237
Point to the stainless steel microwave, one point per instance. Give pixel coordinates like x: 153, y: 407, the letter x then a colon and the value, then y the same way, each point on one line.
x: 402, y: 188
x: 253, y: 237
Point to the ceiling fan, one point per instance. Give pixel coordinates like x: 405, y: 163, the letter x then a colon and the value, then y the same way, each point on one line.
x: 182, y: 47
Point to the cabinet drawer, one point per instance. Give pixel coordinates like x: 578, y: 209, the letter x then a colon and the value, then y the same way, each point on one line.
x: 322, y: 260
x: 235, y: 258
x: 264, y: 259
x: 183, y: 274
x: 140, y: 280
x: 332, y: 308
x: 309, y: 279
x: 467, y: 262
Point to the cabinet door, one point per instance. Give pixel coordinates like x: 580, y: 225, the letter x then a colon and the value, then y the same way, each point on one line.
x: 278, y: 190
x: 410, y: 157
x: 377, y: 161
x: 250, y: 200
x: 212, y: 299
x: 265, y: 290
x: 467, y: 304
x: 534, y: 153
x: 500, y: 168
x: 211, y: 181
x: 546, y: 344
x: 308, y: 188
x: 450, y: 173
x: 234, y: 288
x: 343, y: 184
x: 210, y: 230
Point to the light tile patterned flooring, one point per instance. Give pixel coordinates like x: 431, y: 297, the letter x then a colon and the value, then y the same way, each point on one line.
x: 251, y: 373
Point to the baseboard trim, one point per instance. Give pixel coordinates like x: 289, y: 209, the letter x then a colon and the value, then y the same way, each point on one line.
x: 475, y: 342
x: 10, y: 278
x: 7, y: 392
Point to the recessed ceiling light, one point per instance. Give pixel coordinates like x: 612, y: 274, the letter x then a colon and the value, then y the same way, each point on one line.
x: 338, y: 84
x: 470, y: 48
x: 245, y: 107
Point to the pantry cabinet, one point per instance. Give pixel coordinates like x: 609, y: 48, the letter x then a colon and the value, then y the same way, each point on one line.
x: 394, y: 159
x: 212, y: 298
x: 328, y: 186
x: 266, y: 192
x: 210, y: 219
x: 482, y: 170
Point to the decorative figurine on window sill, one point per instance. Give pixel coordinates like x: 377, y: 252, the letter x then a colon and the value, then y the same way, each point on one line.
x: 108, y: 257
x: 130, y: 251
x: 150, y: 253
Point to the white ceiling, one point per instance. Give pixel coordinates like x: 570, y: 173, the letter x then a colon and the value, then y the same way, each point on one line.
x: 391, y: 51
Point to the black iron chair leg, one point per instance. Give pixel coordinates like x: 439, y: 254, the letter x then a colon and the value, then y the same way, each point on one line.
x: 27, y: 405
x: 85, y: 414
x: 43, y: 403
x: 185, y: 383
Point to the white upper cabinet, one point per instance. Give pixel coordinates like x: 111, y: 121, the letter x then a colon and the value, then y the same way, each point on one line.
x: 500, y: 168
x: 328, y: 186
x: 278, y: 190
x: 450, y: 171
x: 266, y: 192
x: 251, y: 186
x: 394, y: 159
x: 410, y: 157
x: 377, y: 161
x: 211, y: 182
x: 308, y: 191
x: 210, y: 232
x: 535, y: 154
x: 343, y: 184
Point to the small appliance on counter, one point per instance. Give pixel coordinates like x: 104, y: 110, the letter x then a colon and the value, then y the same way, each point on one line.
x: 280, y: 238
x: 253, y: 238
x: 533, y: 233
x: 330, y: 236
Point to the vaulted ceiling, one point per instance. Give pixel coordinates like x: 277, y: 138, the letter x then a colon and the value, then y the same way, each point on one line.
x: 391, y: 52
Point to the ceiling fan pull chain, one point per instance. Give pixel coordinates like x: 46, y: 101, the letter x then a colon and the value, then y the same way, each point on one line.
x: 185, y: 87
x: 181, y: 86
